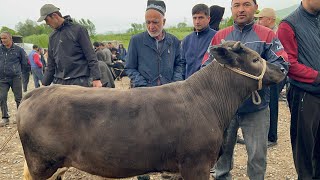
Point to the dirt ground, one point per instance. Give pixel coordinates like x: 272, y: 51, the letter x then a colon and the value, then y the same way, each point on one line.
x: 280, y: 164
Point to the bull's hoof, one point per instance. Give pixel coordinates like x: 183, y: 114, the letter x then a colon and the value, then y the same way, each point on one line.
x: 144, y: 177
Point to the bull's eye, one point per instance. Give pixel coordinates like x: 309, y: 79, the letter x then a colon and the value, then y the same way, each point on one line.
x: 256, y: 60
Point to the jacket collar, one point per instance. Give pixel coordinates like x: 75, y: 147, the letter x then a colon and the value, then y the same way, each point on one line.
x: 151, y: 42
x: 246, y: 28
x: 204, y: 31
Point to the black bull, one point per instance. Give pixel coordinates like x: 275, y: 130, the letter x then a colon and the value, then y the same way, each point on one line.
x: 121, y: 133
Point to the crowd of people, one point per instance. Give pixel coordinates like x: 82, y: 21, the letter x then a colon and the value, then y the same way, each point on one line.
x: 156, y: 57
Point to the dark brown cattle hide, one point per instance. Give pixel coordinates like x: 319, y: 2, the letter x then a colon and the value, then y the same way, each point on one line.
x: 176, y: 127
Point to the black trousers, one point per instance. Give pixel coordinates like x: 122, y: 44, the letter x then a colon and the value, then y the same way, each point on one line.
x: 305, y: 132
x: 16, y: 86
x: 25, y: 81
x: 274, y: 110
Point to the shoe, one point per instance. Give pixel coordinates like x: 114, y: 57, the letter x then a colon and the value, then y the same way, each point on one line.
x: 271, y: 144
x: 4, y: 122
x: 240, y: 140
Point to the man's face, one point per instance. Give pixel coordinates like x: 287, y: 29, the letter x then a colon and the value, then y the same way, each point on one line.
x: 243, y: 11
x: 154, y: 22
x: 52, y: 21
x: 314, y: 5
x: 6, y: 39
x: 200, y: 21
x: 265, y: 21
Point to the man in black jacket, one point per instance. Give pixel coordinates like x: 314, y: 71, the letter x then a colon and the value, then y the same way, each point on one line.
x: 71, y: 58
x: 12, y: 60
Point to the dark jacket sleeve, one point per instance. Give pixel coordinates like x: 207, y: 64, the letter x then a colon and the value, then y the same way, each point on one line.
x: 24, y: 59
x: 85, y: 43
x: 131, y: 67
x: 179, y: 64
x: 50, y: 69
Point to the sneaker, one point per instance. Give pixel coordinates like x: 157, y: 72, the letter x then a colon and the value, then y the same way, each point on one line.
x: 4, y: 122
x: 271, y: 144
x: 240, y: 140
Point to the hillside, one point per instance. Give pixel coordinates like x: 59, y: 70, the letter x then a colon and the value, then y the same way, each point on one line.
x: 282, y: 13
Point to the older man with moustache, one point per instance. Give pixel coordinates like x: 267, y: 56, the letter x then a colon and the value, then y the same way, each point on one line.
x: 267, y: 18
x: 153, y: 56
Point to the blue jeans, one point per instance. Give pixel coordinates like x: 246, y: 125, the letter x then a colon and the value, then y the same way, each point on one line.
x: 37, y: 76
x: 255, y: 127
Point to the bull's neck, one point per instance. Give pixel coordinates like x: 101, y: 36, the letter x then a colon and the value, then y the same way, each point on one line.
x: 219, y: 91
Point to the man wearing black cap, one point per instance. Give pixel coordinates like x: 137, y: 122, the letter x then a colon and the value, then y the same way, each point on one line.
x: 71, y: 58
x: 153, y: 56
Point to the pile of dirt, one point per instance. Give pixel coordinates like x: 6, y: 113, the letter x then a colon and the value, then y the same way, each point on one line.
x: 280, y: 162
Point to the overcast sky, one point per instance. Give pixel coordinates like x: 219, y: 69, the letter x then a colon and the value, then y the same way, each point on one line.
x: 115, y: 15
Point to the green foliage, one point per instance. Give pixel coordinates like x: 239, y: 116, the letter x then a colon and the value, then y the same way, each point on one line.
x: 182, y: 25
x: 136, y: 28
x: 40, y: 40
x: 11, y: 31
x: 88, y: 25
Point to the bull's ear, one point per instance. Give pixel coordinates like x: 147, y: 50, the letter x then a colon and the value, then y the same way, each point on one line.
x: 237, y: 47
x: 221, y: 54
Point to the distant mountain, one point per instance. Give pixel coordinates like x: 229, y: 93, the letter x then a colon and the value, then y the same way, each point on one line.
x: 282, y: 13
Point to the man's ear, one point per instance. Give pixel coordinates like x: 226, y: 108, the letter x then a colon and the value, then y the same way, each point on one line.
x: 164, y: 21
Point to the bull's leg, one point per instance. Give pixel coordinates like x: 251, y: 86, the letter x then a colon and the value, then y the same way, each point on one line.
x: 26, y: 173
x: 195, y: 170
x: 59, y: 174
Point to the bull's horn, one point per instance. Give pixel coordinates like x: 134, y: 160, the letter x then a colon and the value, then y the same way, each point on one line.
x: 237, y: 46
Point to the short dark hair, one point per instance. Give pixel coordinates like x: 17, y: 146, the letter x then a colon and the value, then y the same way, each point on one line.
x: 35, y: 46
x: 96, y: 44
x: 57, y: 12
x: 201, y: 8
x: 255, y: 1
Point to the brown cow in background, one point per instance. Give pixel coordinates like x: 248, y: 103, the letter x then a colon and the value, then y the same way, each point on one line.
x: 176, y: 128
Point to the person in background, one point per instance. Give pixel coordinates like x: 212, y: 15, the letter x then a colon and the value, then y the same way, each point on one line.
x: 36, y: 65
x: 42, y: 59
x: 12, y: 60
x: 299, y: 34
x: 71, y: 59
x: 254, y: 119
x: 267, y: 18
x: 216, y: 14
x: 122, y: 52
x: 153, y: 56
x: 106, y: 76
x: 196, y: 44
x: 25, y: 75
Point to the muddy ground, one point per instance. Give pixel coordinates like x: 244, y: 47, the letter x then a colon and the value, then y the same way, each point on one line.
x: 280, y: 163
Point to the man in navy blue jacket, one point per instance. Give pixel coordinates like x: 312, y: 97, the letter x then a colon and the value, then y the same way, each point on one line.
x: 195, y: 45
x: 153, y: 57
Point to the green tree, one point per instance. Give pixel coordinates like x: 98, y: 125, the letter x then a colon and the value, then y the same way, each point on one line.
x: 136, y: 28
x: 11, y: 31
x: 88, y: 25
x: 27, y: 28
x: 182, y: 25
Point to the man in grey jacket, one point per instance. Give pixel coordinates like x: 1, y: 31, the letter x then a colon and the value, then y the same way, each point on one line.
x: 153, y: 56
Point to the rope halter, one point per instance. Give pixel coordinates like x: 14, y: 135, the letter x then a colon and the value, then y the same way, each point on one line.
x: 256, y: 99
